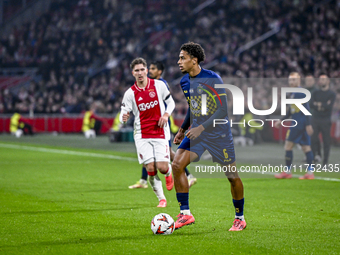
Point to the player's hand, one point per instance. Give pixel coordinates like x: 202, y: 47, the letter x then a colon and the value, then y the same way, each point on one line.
x: 126, y: 116
x: 195, y: 132
x: 309, y: 130
x: 277, y: 124
x: 179, y: 137
x: 163, y: 120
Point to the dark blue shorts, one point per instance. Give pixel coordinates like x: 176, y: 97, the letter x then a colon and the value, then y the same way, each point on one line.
x: 221, y: 149
x: 299, y: 136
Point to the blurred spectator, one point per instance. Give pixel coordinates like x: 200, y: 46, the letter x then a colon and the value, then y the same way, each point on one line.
x: 76, y: 37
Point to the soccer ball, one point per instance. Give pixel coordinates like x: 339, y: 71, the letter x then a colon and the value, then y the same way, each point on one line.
x: 162, y: 224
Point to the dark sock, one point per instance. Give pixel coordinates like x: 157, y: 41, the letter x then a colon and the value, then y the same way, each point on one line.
x: 144, y: 174
x: 238, y: 204
x: 183, y: 200
x: 310, y: 158
x: 289, y: 158
x: 187, y: 171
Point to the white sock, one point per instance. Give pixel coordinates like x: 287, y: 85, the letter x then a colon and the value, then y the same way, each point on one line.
x: 169, y: 171
x: 240, y: 217
x: 142, y: 181
x: 186, y: 212
x: 157, y: 187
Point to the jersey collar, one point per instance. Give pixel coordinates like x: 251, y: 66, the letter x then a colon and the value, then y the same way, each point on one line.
x: 142, y: 89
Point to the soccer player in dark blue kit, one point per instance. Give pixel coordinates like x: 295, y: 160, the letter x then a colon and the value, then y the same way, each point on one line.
x: 202, y: 135
x: 299, y: 134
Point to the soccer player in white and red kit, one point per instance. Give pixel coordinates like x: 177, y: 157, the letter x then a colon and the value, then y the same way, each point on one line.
x: 146, y: 100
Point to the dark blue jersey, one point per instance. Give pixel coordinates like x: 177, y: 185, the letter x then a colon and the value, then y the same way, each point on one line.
x: 203, y: 85
x: 296, y: 114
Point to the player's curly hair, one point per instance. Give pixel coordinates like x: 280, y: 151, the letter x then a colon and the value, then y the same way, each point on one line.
x: 195, y: 50
x: 137, y: 61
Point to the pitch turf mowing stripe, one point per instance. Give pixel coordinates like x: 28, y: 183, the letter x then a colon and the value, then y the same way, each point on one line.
x: 67, y: 152
x: 98, y: 155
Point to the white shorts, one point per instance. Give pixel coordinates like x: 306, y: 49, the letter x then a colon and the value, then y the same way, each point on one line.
x: 149, y: 150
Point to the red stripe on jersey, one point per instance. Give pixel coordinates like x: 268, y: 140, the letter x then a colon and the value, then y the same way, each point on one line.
x: 149, y: 110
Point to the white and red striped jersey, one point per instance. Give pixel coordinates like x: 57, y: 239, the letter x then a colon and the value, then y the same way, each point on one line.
x: 147, y: 104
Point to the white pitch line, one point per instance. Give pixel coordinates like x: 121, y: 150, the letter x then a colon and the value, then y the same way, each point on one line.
x: 297, y: 176
x: 66, y: 152
x: 97, y: 155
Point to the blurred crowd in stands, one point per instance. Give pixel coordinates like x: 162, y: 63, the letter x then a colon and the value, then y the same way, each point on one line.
x: 78, y: 38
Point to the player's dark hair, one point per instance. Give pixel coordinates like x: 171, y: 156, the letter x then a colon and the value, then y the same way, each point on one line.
x: 138, y: 61
x: 158, y: 64
x: 194, y: 50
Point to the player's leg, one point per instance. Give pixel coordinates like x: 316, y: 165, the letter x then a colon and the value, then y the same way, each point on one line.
x: 191, y: 179
x: 162, y: 158
x: 309, y: 156
x: 146, y: 156
x: 237, y: 192
x: 166, y: 169
x: 289, y: 159
x: 142, y: 183
x: 223, y: 152
x: 315, y: 140
x: 326, y: 137
x: 155, y: 182
x: 182, y: 159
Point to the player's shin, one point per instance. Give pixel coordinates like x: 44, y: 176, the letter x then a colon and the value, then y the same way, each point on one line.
x: 156, y: 185
x: 239, y: 204
x: 310, y: 158
x: 183, y: 201
x: 169, y: 171
x: 289, y: 160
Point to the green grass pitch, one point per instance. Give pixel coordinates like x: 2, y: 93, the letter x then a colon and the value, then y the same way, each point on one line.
x: 69, y: 195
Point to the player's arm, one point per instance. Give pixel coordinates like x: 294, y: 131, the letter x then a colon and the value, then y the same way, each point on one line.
x: 125, y: 108
x: 170, y: 103
x: 312, y: 102
x: 184, y: 127
x: 288, y: 114
x: 309, y: 128
x: 326, y: 106
x: 170, y: 106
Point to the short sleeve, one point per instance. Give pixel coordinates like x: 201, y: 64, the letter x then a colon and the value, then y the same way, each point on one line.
x: 127, y: 102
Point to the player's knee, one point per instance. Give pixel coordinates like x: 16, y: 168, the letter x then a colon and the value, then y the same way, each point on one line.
x: 306, y: 148
x: 176, y: 166
x: 232, y: 175
x: 150, y: 168
x: 288, y: 147
x: 163, y: 167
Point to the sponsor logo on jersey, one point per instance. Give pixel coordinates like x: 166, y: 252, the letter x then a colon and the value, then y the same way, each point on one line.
x: 140, y: 98
x: 152, y: 94
x: 123, y: 104
x: 194, y: 104
x: 200, y: 89
x: 146, y: 106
